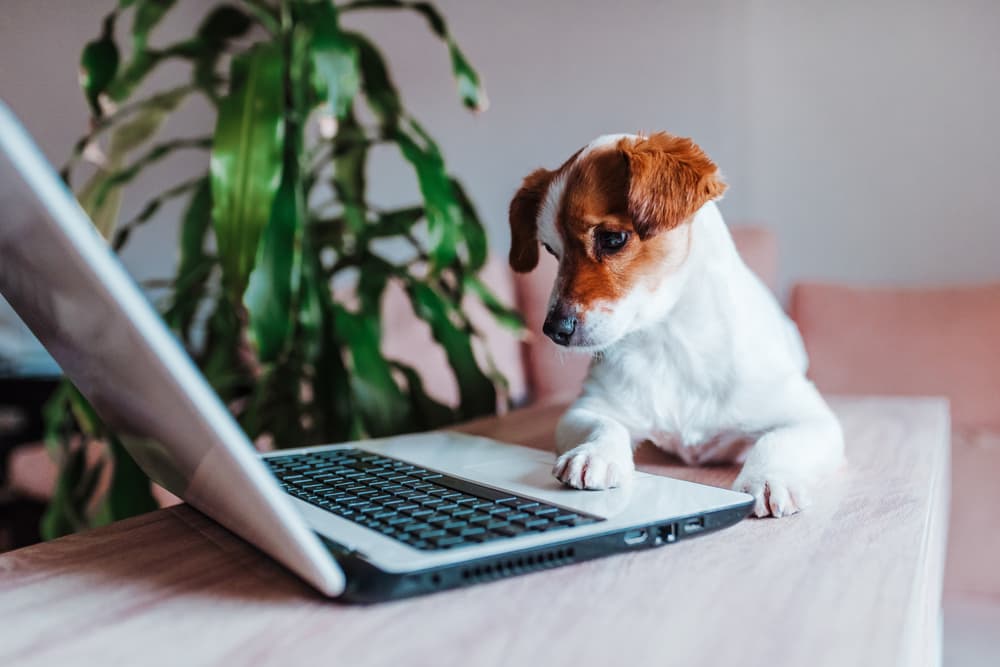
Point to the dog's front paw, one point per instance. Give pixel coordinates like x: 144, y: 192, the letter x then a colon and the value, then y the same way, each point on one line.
x: 775, y: 493
x: 591, y: 466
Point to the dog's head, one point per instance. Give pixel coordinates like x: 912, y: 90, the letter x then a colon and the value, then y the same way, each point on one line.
x: 615, y: 217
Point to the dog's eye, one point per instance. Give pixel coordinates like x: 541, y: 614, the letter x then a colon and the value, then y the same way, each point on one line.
x: 549, y: 249
x: 611, y: 241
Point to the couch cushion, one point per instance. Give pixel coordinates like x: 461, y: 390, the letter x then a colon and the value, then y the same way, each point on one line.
x: 552, y: 372
x: 924, y: 342
x: 974, y: 529
x: 912, y: 342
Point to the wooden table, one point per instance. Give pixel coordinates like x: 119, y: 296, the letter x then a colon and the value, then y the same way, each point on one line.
x: 855, y: 580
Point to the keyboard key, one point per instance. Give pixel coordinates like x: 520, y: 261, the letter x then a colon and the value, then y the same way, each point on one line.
x: 431, y: 532
x: 417, y: 527
x: 447, y: 541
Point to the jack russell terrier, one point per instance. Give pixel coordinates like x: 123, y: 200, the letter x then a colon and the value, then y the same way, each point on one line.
x: 690, y: 350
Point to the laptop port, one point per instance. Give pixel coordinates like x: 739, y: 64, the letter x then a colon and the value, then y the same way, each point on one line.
x: 665, y: 533
x: 693, y: 525
x: 634, y: 537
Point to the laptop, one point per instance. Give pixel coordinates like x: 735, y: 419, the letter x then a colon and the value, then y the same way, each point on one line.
x: 360, y: 521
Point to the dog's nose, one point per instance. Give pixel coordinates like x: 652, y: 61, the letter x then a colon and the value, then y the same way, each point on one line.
x: 559, y: 326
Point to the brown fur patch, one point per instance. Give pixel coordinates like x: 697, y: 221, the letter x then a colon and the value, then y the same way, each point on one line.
x: 523, y: 217
x: 670, y: 178
x: 646, y: 187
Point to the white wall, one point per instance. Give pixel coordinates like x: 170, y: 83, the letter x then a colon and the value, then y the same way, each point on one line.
x: 865, y: 133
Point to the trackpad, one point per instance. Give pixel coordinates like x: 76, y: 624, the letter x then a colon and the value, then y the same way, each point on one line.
x: 533, y: 477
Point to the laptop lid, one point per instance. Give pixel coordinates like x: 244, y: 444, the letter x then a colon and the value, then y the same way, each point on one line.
x: 66, y: 284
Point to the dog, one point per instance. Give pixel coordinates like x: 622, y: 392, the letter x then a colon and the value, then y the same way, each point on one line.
x: 691, y: 351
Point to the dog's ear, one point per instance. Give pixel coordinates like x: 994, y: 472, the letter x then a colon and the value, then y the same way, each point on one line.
x: 670, y: 178
x: 524, y: 208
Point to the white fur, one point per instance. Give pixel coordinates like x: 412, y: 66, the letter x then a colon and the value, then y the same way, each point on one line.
x: 704, y: 365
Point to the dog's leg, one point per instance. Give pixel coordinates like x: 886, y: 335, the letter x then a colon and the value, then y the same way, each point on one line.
x: 787, y: 462
x: 595, y: 451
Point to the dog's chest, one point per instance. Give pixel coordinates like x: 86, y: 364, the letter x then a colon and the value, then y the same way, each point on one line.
x: 673, y: 390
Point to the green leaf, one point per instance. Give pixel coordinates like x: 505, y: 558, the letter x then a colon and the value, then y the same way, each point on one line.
x: 376, y: 396
x: 62, y: 516
x: 271, y: 296
x: 224, y: 24
x: 428, y: 413
x: 473, y: 232
x: 194, y: 266
x: 442, y: 208
x: 470, y: 88
x: 246, y: 161
x: 98, y: 65
x: 335, y: 57
x: 351, y: 150
x: 130, y: 493
x: 394, y: 223
x: 100, y: 196
x: 333, y: 412
x: 380, y: 92
x: 220, y: 362
x: 114, y: 180
x: 477, y: 393
x: 150, y: 209
x: 148, y: 13
x: 67, y: 414
x: 506, y: 316
x: 375, y: 274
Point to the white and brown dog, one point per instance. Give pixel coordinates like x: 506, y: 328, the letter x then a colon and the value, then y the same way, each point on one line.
x: 690, y: 350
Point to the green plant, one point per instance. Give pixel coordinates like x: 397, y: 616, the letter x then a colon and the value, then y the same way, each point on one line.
x: 278, y: 217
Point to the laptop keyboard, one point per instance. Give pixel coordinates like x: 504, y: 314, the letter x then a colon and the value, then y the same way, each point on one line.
x: 422, y: 508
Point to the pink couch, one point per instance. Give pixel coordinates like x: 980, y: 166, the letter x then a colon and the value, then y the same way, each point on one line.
x: 941, y: 342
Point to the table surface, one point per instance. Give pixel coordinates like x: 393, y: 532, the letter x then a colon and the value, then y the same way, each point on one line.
x: 855, y: 580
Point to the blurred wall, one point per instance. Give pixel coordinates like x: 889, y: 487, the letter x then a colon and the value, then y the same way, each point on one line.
x: 864, y: 133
